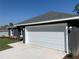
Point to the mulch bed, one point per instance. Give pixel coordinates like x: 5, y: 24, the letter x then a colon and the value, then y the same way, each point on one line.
x: 70, y: 56
x: 8, y: 37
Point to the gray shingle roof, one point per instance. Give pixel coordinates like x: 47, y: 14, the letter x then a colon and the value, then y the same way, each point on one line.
x: 48, y: 16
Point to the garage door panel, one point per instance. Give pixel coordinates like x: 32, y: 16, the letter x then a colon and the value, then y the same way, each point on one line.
x: 48, y: 36
x: 49, y: 45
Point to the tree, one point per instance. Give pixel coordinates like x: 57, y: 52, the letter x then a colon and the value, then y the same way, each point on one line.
x: 10, y: 24
x: 77, y: 9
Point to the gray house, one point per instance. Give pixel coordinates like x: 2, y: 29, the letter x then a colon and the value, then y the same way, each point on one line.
x: 55, y: 30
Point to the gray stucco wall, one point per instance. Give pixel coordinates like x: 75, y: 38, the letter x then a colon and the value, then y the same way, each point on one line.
x: 73, y: 37
x: 14, y: 32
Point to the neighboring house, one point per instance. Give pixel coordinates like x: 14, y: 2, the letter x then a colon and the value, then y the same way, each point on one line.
x: 15, y: 32
x: 3, y: 32
x: 55, y: 30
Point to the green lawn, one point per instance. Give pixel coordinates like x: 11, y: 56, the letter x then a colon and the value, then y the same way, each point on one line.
x: 4, y: 43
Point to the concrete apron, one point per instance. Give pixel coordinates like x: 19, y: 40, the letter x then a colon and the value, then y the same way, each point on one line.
x: 22, y: 51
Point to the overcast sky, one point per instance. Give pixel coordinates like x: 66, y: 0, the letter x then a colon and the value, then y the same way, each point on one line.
x: 19, y: 10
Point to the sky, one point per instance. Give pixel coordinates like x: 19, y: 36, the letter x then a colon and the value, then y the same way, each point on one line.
x: 18, y: 10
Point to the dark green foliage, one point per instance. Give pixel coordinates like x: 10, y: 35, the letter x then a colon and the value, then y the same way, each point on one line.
x: 10, y: 24
x: 77, y: 9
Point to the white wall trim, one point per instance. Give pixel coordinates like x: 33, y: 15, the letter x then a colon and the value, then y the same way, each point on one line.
x: 11, y: 32
x: 26, y: 36
x: 67, y: 45
x: 48, y: 21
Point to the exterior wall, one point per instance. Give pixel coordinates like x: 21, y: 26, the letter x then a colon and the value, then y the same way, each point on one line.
x: 47, y: 32
x: 74, y: 39
x: 73, y: 36
x: 23, y: 35
x: 15, y: 32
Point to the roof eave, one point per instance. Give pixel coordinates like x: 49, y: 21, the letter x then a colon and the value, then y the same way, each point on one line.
x: 41, y: 22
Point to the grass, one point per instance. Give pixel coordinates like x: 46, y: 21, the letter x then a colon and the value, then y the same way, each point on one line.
x: 4, y: 43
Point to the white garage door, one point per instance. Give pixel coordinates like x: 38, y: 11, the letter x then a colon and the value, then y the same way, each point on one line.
x: 51, y: 36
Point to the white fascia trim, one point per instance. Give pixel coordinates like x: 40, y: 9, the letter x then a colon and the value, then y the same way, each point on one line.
x: 48, y: 21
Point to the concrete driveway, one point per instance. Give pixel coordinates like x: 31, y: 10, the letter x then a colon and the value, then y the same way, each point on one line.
x: 22, y: 51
